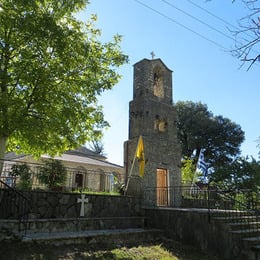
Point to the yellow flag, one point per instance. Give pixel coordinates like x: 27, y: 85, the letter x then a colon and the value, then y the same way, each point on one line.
x: 140, y: 155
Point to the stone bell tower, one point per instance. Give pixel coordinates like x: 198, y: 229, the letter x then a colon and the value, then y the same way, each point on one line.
x: 152, y: 115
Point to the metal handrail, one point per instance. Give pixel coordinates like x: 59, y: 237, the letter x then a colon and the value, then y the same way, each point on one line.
x: 227, y: 205
x: 14, y: 190
x: 15, y: 205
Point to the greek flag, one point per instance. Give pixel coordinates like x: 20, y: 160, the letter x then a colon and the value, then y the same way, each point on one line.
x: 202, y: 165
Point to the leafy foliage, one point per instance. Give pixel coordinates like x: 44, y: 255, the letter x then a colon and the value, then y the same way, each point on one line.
x: 188, y: 169
x: 53, y: 174
x: 241, y: 173
x: 199, y: 129
x: 24, y: 173
x: 52, y: 68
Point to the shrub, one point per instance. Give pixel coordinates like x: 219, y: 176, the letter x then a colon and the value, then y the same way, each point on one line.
x: 24, y: 173
x: 53, y: 174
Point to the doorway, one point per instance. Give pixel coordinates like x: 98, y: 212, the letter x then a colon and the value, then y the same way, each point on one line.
x: 79, y: 180
x: 162, y: 194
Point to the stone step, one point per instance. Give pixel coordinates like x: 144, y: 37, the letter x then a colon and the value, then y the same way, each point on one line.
x: 246, y: 233
x: 251, y: 241
x: 81, y: 224
x: 70, y: 224
x: 253, y: 245
x: 235, y: 219
x: 244, y: 225
x: 256, y: 250
x: 103, y: 237
x: 230, y: 213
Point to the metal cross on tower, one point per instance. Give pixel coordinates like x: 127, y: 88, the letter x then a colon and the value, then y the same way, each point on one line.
x: 152, y: 54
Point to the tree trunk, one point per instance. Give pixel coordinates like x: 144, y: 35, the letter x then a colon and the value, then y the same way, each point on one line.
x: 3, y: 143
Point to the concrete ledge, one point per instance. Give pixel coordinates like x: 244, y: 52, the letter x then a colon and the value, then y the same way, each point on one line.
x: 70, y: 224
x: 104, y: 237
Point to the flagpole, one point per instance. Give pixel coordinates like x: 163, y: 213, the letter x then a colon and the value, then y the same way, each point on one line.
x: 130, y: 173
x: 193, y: 181
x: 131, y: 170
x: 195, y: 173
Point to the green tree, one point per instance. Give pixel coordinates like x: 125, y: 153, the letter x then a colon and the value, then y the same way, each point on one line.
x: 24, y: 173
x: 53, y: 174
x: 188, y: 170
x: 241, y: 173
x: 52, y: 68
x: 199, y: 129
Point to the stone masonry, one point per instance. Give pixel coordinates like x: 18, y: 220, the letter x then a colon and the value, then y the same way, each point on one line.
x: 152, y: 115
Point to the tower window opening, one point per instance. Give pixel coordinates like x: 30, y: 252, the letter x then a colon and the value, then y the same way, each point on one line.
x: 158, y: 89
x: 160, y: 124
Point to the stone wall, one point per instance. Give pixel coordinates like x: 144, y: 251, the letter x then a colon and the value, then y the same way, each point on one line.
x: 66, y: 205
x: 196, y: 228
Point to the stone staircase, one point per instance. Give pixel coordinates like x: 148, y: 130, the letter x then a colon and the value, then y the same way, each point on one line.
x: 243, y: 229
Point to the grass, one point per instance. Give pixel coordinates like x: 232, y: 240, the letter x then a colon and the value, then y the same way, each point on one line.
x: 163, y: 250
x: 143, y: 252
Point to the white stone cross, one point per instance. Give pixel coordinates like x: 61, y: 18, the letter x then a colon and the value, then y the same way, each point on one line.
x: 82, y: 200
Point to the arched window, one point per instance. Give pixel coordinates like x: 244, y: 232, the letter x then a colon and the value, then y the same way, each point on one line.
x: 158, y: 89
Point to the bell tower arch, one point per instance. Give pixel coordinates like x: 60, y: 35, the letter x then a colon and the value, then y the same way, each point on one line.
x: 152, y: 115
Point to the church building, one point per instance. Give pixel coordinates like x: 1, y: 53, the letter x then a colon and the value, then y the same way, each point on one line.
x: 152, y: 116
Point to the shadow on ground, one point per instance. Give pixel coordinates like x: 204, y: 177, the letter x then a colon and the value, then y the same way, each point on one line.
x: 30, y: 251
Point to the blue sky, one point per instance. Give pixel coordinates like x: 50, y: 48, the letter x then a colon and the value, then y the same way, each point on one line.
x: 203, y: 68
